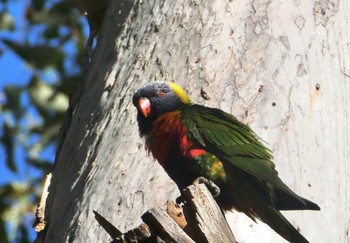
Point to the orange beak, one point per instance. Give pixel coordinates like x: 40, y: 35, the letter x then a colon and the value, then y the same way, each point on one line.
x: 145, y: 106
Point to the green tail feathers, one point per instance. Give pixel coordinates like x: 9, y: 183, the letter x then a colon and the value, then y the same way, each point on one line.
x: 281, y: 225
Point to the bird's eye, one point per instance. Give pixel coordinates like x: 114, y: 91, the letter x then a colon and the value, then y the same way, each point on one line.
x: 161, y: 93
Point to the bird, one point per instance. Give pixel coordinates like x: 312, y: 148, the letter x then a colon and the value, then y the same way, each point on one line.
x: 192, y: 141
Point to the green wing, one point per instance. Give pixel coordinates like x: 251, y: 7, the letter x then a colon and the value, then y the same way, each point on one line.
x: 232, y: 141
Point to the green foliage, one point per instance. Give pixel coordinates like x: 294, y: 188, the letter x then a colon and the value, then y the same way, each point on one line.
x: 51, y: 50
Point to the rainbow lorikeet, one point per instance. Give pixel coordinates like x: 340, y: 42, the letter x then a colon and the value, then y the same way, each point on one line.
x: 192, y: 141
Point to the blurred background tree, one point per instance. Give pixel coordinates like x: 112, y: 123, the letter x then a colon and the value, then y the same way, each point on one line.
x: 41, y: 56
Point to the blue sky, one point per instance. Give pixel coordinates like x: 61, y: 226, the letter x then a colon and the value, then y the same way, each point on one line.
x: 14, y: 72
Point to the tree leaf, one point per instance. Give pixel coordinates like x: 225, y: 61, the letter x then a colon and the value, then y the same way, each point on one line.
x: 8, y: 143
x: 13, y: 101
x: 39, y: 56
x: 6, y: 21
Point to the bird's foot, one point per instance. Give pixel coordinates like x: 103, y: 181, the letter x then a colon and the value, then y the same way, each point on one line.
x: 213, y: 188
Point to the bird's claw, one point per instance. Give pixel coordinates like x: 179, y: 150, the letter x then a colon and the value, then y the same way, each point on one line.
x: 213, y: 188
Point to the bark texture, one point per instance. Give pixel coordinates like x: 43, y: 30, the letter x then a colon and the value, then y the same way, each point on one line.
x: 281, y: 66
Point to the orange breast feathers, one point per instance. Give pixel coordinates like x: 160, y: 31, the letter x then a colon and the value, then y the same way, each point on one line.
x: 169, y: 135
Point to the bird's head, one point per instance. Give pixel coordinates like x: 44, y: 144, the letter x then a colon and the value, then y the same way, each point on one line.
x: 155, y: 99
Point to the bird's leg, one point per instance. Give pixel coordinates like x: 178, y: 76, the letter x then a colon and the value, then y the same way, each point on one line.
x: 213, y: 188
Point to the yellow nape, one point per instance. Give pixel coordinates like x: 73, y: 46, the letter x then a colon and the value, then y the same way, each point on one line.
x: 180, y: 92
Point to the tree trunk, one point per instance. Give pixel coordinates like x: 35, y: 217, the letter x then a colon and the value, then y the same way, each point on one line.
x: 281, y: 66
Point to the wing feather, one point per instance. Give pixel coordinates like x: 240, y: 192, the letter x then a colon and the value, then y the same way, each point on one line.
x: 232, y: 142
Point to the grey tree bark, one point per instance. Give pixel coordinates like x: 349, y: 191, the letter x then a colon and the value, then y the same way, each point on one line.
x: 281, y: 66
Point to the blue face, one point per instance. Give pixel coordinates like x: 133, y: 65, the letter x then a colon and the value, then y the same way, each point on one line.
x: 151, y: 91
x: 161, y: 96
x: 162, y: 99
